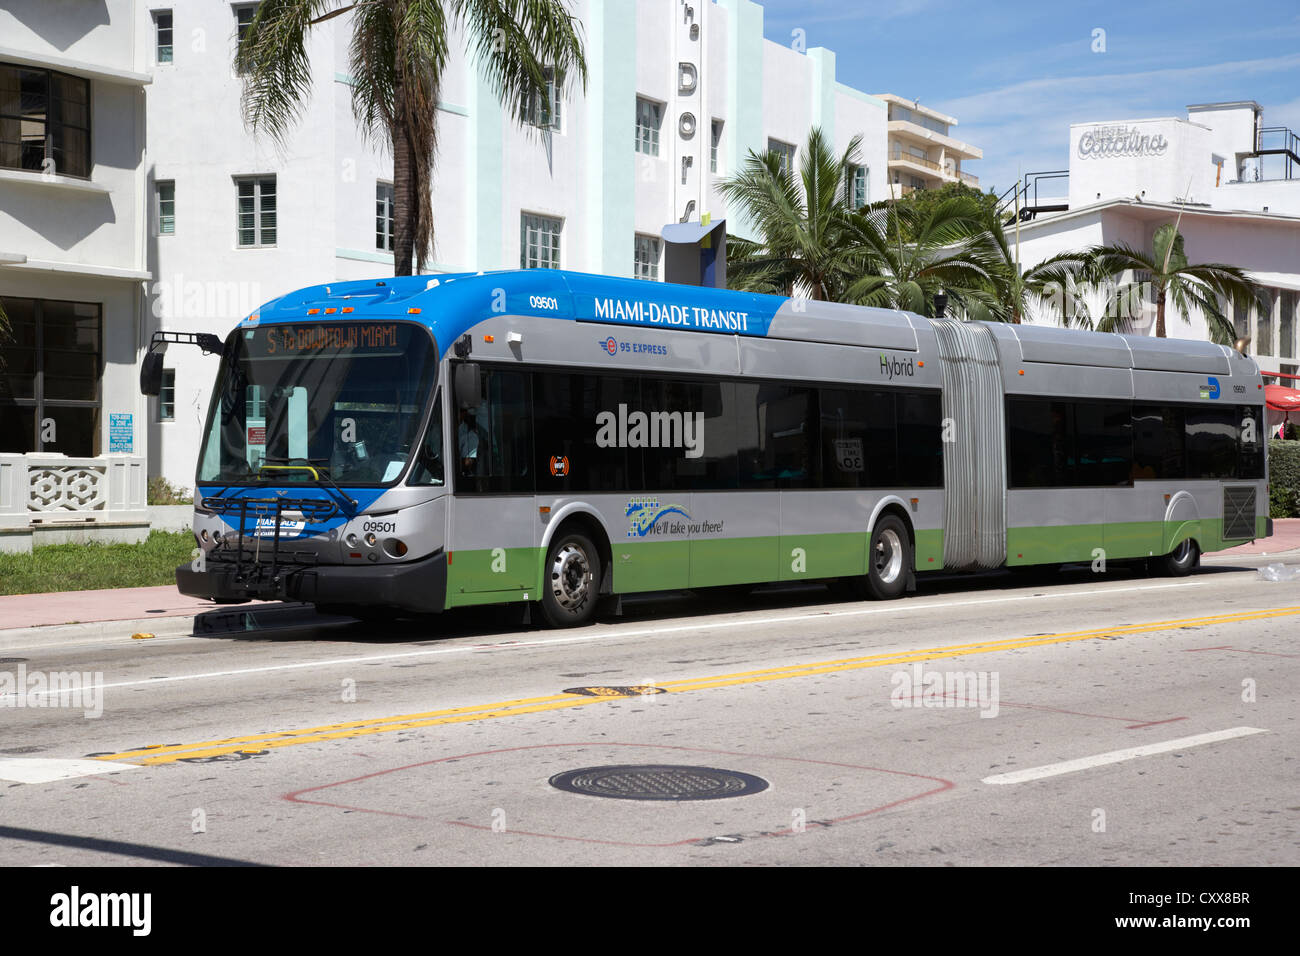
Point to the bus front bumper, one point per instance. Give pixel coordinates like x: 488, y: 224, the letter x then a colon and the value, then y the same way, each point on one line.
x: 416, y: 586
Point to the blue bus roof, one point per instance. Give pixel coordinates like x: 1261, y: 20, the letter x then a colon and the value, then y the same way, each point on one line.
x: 450, y: 305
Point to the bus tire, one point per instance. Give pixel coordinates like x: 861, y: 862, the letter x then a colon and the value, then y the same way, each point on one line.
x: 1179, y: 562
x: 570, y: 580
x: 889, y: 558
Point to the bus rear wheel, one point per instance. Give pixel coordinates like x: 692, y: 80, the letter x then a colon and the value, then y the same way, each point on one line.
x: 888, y: 560
x: 1179, y: 562
x: 571, y: 579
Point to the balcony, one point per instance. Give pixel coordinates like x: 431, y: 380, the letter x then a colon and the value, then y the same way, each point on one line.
x: 899, y: 156
x: 913, y: 132
x: 969, y: 180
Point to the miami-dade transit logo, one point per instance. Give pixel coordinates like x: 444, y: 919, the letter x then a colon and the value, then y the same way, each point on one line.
x: 1211, y: 388
x: 644, y: 514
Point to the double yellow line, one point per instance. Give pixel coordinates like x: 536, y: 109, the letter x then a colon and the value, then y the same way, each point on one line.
x: 534, y: 705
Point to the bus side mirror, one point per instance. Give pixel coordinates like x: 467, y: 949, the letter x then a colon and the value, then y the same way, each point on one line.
x: 151, y: 370
x: 469, y: 388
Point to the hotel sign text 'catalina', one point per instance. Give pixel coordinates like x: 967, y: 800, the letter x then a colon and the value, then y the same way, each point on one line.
x: 1108, y: 142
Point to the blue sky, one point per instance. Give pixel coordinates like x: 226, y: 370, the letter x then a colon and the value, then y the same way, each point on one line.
x: 1016, y: 75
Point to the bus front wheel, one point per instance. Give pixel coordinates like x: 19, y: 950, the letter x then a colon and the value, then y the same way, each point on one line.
x: 571, y: 580
x: 889, y: 559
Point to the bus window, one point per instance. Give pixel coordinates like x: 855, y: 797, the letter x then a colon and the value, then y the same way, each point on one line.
x: 859, y: 438
x: 1040, y: 451
x: 1158, y: 439
x: 1103, y: 436
x: 494, y: 442
x: 428, y: 463
x: 920, y: 440
x: 576, y: 441
x: 778, y: 452
x: 1212, y: 435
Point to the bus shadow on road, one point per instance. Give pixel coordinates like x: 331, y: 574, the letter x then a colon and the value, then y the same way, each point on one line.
x: 301, y: 622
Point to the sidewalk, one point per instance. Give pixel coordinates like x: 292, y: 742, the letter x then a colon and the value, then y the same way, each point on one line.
x: 84, y: 607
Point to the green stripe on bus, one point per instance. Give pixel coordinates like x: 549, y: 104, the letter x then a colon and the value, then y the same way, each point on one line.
x: 515, y: 574
x: 1130, y: 539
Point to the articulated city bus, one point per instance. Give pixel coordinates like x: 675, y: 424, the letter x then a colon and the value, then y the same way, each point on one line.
x: 417, y: 444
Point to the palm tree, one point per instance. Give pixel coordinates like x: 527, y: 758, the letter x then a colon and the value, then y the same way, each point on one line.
x: 1172, y: 278
x: 397, y: 57
x: 942, y: 255
x: 1052, y: 287
x: 800, y: 218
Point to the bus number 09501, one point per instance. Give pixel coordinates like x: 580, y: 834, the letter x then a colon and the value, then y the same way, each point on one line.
x: 383, y: 527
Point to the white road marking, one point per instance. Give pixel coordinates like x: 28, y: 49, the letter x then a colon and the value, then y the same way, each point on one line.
x: 599, y: 633
x: 1116, y: 756
x: 47, y: 769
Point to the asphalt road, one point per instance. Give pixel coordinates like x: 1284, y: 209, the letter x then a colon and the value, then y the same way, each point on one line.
x: 1078, y: 719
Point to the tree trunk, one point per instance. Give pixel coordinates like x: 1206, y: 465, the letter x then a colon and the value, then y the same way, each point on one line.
x: 1160, y: 314
x: 405, y: 186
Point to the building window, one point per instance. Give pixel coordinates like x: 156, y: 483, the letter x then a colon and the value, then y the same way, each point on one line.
x: 544, y: 111
x: 1286, y: 321
x: 244, y: 14
x: 855, y: 186
x: 44, y: 121
x: 49, y: 383
x: 255, y: 216
x: 162, y: 27
x: 715, y: 141
x: 1264, y: 322
x: 649, y: 117
x: 384, y: 216
x: 784, y: 153
x: 646, y: 264
x: 539, y: 242
x: 165, y: 207
x: 167, y: 396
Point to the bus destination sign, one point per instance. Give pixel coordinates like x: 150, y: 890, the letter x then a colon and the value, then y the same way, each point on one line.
x: 320, y: 337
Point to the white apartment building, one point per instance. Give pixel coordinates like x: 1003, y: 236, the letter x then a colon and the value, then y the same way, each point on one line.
x: 1232, y: 185
x: 73, y: 267
x: 923, y: 153
x: 679, y: 92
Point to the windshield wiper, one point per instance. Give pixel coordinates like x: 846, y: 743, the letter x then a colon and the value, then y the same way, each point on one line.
x: 323, y: 480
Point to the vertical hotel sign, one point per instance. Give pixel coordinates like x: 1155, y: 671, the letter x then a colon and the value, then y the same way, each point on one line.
x: 692, y: 128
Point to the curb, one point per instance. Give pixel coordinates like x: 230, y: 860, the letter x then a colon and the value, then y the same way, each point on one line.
x: 207, y: 622
x: 94, y: 632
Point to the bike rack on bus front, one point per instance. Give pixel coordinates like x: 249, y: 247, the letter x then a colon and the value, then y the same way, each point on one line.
x: 255, y: 576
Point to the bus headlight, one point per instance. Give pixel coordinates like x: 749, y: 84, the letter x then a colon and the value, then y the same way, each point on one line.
x: 395, y: 547
x: 370, y: 539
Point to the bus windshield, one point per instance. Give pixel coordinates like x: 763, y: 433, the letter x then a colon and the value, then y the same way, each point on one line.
x: 343, y: 398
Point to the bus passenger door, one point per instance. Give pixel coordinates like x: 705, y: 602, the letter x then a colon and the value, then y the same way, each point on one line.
x: 493, y: 540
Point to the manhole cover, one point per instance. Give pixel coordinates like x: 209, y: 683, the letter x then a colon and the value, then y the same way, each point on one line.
x: 658, y: 782
x: 633, y: 690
